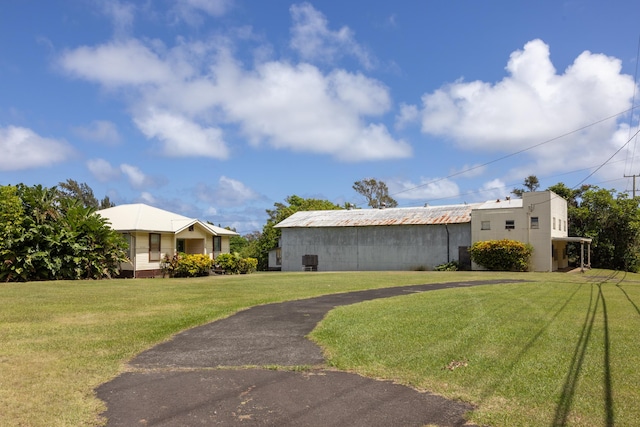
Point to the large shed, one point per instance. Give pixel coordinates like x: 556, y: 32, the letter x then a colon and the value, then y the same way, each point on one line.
x: 376, y: 239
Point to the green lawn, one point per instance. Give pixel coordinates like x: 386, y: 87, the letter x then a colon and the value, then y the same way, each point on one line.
x: 561, y: 351
x: 544, y: 351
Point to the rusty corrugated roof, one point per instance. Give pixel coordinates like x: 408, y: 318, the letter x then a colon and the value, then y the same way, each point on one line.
x: 454, y: 214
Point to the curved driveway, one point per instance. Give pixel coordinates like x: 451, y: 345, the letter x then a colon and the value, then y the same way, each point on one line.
x: 211, y: 375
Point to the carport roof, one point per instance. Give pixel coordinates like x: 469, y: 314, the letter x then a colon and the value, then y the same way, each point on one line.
x: 453, y: 214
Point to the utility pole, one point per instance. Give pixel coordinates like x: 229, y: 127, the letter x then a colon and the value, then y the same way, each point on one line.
x: 634, y: 183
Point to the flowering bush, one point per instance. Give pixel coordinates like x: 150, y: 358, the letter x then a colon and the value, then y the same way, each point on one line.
x: 186, y: 265
x: 502, y: 255
x: 233, y: 263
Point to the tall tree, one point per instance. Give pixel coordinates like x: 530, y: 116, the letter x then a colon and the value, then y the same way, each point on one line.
x: 611, y: 219
x: 531, y: 183
x: 376, y: 193
x: 268, y: 239
x: 571, y: 195
x: 79, y: 191
x: 106, y: 203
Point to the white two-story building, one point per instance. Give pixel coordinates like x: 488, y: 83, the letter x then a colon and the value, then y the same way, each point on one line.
x: 539, y: 219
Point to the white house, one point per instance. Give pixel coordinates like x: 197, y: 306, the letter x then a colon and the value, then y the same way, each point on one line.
x: 153, y: 233
x: 423, y: 237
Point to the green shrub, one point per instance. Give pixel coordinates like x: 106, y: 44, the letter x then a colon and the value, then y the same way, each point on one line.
x: 233, y: 263
x: 247, y: 265
x: 228, y: 262
x: 448, y: 266
x: 501, y: 255
x: 186, y: 265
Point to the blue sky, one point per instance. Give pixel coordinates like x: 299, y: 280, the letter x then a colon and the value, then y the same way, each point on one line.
x: 217, y: 109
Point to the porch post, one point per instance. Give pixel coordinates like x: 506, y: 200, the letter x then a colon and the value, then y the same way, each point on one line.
x: 582, y: 257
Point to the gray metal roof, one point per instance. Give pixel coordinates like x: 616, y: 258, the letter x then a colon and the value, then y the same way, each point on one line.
x: 454, y: 214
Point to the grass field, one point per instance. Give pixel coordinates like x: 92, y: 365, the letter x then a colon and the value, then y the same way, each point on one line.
x: 550, y: 353
x: 563, y: 350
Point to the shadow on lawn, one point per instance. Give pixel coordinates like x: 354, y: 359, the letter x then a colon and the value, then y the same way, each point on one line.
x: 525, y: 349
x: 571, y: 380
x: 628, y: 297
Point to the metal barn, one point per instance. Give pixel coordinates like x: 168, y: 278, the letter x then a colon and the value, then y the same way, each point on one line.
x: 376, y: 239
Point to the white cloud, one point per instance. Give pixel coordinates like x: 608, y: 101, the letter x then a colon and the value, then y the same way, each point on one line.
x: 122, y: 15
x: 299, y: 108
x: 126, y: 62
x: 136, y: 177
x: 228, y: 192
x: 190, y: 11
x: 493, y: 190
x: 534, y: 104
x: 182, y: 137
x: 22, y: 148
x: 186, y: 95
x: 102, y: 170
x: 425, y: 190
x: 314, y: 41
x: 408, y: 114
x: 146, y: 197
x: 99, y: 131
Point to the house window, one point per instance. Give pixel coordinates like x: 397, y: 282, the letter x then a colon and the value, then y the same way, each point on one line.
x: 180, y: 246
x: 130, y: 242
x: 217, y: 244
x: 554, y: 222
x: 485, y: 225
x: 191, y: 228
x: 510, y: 224
x: 535, y: 223
x: 154, y: 247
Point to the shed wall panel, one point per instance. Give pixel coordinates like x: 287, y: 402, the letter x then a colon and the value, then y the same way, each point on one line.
x: 402, y: 247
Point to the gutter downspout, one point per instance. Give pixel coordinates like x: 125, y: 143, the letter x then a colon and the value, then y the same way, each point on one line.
x: 446, y: 227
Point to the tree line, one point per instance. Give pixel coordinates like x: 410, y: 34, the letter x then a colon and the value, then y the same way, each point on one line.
x: 52, y: 233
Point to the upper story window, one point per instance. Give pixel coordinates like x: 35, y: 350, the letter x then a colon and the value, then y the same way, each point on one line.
x: 535, y: 222
x: 554, y: 222
x: 510, y: 224
x: 485, y: 225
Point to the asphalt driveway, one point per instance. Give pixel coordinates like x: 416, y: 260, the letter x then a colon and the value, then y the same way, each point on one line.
x: 218, y: 374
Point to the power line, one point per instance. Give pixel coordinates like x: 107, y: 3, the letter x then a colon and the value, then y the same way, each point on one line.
x: 518, y: 152
x: 633, y: 101
x: 607, y: 161
x: 486, y: 190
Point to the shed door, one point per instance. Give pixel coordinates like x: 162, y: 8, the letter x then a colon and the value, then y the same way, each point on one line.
x: 464, y: 259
